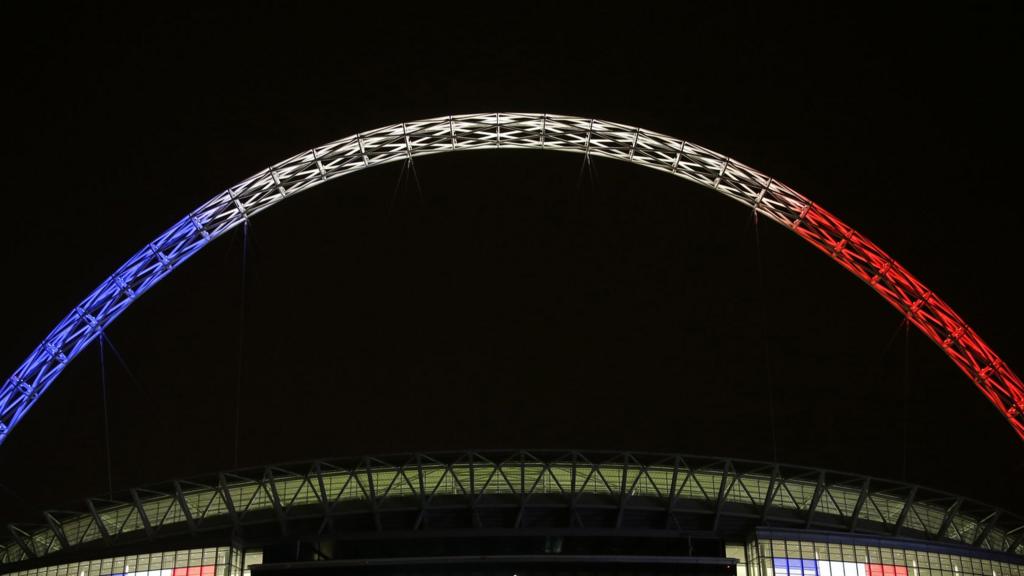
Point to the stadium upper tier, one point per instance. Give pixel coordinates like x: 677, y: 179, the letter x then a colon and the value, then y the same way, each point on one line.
x: 712, y: 497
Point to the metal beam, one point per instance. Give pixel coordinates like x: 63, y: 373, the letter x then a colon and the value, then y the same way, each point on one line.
x: 275, y: 498
x: 146, y: 526
x: 723, y: 491
x: 818, y: 489
x: 423, y: 499
x: 522, y: 490
x: 16, y: 535
x: 951, y: 512
x: 622, y: 486
x: 229, y: 502
x: 573, y: 495
x: 58, y: 530
x: 990, y: 522
x: 325, y: 499
x: 772, y: 489
x: 372, y: 494
x: 671, y: 500
x: 906, y: 510
x: 99, y: 522
x: 1017, y: 541
x: 865, y: 487
x: 179, y: 495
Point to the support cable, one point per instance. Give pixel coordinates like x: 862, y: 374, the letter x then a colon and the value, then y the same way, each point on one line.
x: 583, y: 171
x: 764, y: 339
x: 416, y: 179
x: 588, y: 171
x: 106, y: 416
x: 407, y: 176
x: 906, y: 396
x: 402, y: 176
x: 241, y: 340
x: 120, y: 360
x: 877, y: 365
x: 592, y: 168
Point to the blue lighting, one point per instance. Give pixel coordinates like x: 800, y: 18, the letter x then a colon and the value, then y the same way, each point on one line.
x: 795, y: 567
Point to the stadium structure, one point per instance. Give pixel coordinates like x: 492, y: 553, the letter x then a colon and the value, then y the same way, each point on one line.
x: 525, y: 511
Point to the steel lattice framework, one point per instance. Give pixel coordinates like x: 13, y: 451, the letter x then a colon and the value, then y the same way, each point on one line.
x: 399, y: 142
x: 518, y: 490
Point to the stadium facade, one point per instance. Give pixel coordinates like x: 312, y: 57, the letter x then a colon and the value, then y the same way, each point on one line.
x: 523, y: 512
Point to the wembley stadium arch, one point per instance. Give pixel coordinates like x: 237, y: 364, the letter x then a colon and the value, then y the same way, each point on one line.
x: 519, y: 512
x: 765, y: 195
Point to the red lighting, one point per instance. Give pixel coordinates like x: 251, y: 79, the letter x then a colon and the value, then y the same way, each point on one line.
x: 929, y: 313
x: 885, y: 570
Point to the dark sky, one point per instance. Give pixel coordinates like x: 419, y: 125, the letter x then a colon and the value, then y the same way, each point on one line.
x: 511, y: 302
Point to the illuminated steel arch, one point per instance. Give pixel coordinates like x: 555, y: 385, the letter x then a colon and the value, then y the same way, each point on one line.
x: 767, y: 196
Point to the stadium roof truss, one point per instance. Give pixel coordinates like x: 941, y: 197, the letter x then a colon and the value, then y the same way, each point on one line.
x: 675, y: 493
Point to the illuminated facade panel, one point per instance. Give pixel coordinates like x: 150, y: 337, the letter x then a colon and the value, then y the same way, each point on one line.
x: 840, y: 557
x: 216, y: 561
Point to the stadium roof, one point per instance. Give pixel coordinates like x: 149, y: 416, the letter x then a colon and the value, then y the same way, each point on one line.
x: 519, y: 490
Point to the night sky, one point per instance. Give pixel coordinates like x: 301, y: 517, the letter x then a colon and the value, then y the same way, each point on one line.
x: 512, y: 299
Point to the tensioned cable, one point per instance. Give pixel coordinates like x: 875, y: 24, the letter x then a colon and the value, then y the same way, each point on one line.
x: 873, y: 366
x: 241, y: 340
x: 106, y: 418
x: 906, y: 397
x: 120, y: 360
x: 398, y: 185
x: 407, y: 177
x: 416, y: 179
x: 763, y: 305
x: 577, y: 206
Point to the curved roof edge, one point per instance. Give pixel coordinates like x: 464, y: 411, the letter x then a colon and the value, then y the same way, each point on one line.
x: 699, y: 495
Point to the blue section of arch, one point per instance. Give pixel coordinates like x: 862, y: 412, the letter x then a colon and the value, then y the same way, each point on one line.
x: 88, y: 320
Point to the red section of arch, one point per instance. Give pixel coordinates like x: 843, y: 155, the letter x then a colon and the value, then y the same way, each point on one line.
x: 924, y: 309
